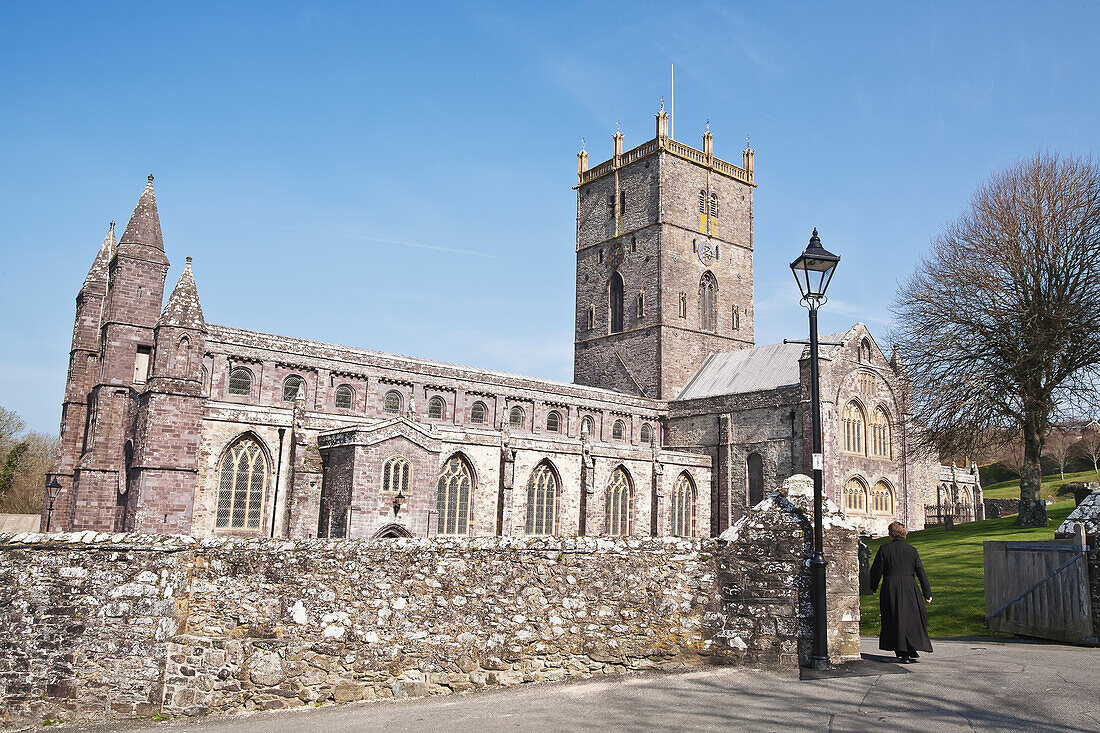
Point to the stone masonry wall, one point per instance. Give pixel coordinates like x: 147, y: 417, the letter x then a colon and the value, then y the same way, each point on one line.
x: 133, y: 625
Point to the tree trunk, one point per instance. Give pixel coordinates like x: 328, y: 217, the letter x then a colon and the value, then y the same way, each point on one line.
x: 1033, y: 510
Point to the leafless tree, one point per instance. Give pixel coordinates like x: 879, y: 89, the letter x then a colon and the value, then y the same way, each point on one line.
x: 1089, y: 445
x: 1060, y: 448
x: 999, y: 326
x: 24, y: 473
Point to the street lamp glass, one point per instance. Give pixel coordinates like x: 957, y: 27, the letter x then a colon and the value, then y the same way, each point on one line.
x: 53, y: 487
x: 814, y: 269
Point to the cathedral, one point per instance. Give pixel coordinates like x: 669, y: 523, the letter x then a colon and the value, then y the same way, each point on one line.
x: 675, y: 424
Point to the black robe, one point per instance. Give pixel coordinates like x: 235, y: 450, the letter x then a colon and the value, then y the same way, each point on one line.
x: 904, y: 617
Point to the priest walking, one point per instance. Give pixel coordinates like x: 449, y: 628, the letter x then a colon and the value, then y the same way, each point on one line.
x: 904, y: 617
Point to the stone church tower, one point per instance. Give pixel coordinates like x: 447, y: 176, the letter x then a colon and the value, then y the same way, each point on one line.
x: 664, y: 263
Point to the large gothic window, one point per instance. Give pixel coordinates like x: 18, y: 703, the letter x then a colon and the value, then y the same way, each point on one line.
x: 880, y: 433
x: 241, y: 489
x: 453, y: 496
x: 395, y: 475
x: 683, y: 506
x: 882, y: 498
x: 854, y: 428
x: 542, y: 500
x: 707, y: 300
x: 617, y: 510
x: 616, y: 296
x: 855, y: 496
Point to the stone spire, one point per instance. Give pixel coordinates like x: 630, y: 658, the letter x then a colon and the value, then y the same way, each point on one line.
x: 143, y: 229
x: 183, y: 309
x: 97, y: 274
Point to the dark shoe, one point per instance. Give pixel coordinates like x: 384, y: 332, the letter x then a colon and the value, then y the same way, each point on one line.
x: 914, y: 656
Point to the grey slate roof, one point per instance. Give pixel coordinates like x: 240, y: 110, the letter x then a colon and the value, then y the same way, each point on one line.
x: 750, y: 370
x: 183, y: 308
x: 1086, y: 513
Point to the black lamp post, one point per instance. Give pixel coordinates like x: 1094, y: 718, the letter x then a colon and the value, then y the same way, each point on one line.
x: 813, y: 271
x: 53, y: 490
x: 398, y: 502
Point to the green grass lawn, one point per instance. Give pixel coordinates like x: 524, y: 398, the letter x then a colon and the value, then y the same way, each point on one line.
x: 1051, y: 483
x: 953, y: 561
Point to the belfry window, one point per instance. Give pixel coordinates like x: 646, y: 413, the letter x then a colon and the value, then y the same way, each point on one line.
x: 714, y: 206
x: 240, y: 382
x: 615, y: 295
x: 343, y: 397
x: 241, y: 489
x: 702, y: 202
x: 292, y: 387
x: 707, y: 288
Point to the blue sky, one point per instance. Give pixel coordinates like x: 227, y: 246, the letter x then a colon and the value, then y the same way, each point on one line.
x: 398, y: 177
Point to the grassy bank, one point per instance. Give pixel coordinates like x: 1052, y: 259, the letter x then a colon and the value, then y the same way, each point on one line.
x: 1051, y: 484
x: 953, y: 561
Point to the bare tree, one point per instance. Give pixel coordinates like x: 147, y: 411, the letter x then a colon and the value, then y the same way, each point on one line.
x: 999, y: 326
x: 24, y: 473
x: 1089, y: 445
x: 1060, y: 447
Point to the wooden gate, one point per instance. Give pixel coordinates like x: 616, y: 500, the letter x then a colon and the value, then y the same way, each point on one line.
x: 1039, y: 589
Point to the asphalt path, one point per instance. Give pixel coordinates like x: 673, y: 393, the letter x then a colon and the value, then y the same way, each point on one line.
x: 967, y: 684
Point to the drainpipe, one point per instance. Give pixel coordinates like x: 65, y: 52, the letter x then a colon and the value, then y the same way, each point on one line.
x: 278, y: 473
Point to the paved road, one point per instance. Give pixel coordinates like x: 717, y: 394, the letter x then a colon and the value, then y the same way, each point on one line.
x: 979, y: 685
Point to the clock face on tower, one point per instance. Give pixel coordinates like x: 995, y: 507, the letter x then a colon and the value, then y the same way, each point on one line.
x: 707, y: 254
x: 616, y: 254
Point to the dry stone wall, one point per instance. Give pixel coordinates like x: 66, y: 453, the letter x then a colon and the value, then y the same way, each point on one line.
x: 134, y: 625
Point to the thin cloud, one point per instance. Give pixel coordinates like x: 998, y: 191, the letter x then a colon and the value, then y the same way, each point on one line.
x: 418, y: 245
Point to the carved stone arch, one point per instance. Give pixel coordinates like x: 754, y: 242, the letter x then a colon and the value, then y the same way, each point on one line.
x: 392, y: 531
x: 544, y: 489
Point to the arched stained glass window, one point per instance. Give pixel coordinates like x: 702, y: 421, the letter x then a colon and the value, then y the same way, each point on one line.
x: 880, y: 434
x: 241, y: 489
x: 683, y: 506
x: 240, y: 382
x: 646, y: 433
x: 477, y: 413
x: 882, y: 498
x: 617, y: 510
x: 553, y: 422
x: 292, y: 387
x: 855, y: 496
x: 515, y: 417
x: 436, y: 408
x: 855, y: 428
x: 392, y: 402
x: 343, y: 397
x: 707, y: 300
x: 542, y: 500
x: 615, y: 296
x: 453, y: 495
x: 395, y: 475
x: 618, y: 430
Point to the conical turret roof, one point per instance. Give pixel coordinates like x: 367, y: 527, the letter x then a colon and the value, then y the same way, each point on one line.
x: 144, y: 228
x: 97, y: 273
x: 183, y: 309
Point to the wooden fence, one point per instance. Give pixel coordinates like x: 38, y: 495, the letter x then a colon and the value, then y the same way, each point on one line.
x: 1040, y: 589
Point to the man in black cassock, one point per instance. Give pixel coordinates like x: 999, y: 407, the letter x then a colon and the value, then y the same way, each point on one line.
x: 904, y: 617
